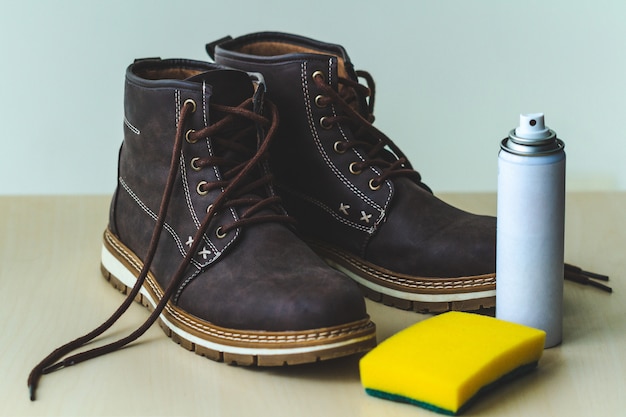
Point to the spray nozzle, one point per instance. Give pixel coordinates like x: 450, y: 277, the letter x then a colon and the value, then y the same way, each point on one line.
x: 532, y: 126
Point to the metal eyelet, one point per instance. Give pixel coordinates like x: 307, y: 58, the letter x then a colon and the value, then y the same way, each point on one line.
x: 219, y: 234
x: 209, y: 208
x: 199, y: 189
x: 193, y: 104
x: 374, y: 187
x: 193, y: 164
x: 318, y: 102
x: 353, y: 169
x: 188, y: 138
x: 338, y: 147
x: 325, y: 123
x: 318, y: 74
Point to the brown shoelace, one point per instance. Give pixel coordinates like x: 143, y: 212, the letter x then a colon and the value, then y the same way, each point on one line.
x: 248, y: 150
x: 376, y: 144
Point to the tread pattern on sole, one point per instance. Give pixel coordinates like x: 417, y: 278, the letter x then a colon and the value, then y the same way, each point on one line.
x: 478, y: 304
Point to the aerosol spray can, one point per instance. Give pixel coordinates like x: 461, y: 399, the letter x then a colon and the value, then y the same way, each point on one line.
x: 530, y: 228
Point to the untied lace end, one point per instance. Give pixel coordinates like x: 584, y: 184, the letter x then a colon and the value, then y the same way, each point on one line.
x: 44, y: 367
x: 34, y: 377
x: 576, y: 274
x: 31, y: 389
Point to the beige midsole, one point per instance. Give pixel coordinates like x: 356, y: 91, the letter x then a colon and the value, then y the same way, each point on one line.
x: 427, y: 298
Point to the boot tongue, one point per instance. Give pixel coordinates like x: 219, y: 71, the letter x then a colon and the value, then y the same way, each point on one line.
x: 228, y: 87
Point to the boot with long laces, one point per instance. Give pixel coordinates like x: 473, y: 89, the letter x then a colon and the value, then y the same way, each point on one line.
x: 197, y: 234
x: 358, y: 201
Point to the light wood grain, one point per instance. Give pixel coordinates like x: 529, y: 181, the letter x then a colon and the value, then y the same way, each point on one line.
x: 52, y: 291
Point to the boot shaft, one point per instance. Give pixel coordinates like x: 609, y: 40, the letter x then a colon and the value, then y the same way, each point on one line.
x: 309, y: 153
x: 155, y: 93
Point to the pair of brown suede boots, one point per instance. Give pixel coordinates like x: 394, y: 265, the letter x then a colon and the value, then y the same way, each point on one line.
x: 253, y: 239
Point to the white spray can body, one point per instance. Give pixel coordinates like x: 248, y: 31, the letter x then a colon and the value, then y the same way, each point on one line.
x: 530, y: 228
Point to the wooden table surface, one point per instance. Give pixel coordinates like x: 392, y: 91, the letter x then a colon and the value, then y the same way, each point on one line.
x: 52, y: 291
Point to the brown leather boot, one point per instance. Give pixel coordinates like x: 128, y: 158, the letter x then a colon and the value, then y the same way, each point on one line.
x: 197, y: 234
x: 358, y: 201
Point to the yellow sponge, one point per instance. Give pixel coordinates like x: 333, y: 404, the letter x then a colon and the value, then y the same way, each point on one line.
x: 444, y: 361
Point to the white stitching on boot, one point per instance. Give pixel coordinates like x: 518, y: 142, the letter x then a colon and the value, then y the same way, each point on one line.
x: 150, y: 213
x: 309, y: 113
x: 336, y: 172
x: 183, y: 175
x: 131, y: 127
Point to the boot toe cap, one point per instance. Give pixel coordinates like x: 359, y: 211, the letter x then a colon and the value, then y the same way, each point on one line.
x: 311, y: 300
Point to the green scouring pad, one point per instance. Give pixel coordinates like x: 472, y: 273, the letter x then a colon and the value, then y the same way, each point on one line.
x: 445, y: 361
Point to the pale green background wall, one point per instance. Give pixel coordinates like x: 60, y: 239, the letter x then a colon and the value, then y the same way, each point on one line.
x: 452, y: 77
